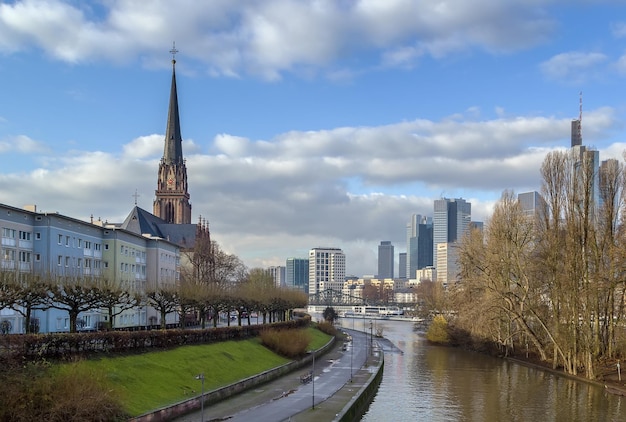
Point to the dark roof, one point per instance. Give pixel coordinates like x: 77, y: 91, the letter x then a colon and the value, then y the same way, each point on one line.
x: 142, y: 222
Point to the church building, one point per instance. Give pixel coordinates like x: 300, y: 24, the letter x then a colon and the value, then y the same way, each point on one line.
x: 171, y: 217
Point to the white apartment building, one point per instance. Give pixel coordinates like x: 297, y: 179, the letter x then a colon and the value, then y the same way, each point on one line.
x: 327, y: 269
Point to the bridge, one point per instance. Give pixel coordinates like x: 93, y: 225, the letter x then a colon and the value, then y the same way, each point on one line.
x: 334, y: 298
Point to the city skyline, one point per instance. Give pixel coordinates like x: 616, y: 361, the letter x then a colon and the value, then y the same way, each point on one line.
x: 303, y: 123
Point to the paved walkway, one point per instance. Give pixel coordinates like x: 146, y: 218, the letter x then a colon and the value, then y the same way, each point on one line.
x: 287, y: 399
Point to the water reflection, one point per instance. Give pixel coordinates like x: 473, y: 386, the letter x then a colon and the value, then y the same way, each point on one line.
x: 429, y: 383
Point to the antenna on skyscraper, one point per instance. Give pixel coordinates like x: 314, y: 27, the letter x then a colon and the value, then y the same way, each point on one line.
x: 580, y: 117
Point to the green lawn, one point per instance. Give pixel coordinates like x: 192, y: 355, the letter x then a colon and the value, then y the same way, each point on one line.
x: 155, y: 379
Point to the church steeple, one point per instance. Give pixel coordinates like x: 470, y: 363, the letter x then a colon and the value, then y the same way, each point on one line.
x: 172, y: 199
x: 173, y: 140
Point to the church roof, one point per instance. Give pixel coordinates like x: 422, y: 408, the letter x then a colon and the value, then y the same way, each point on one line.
x: 142, y: 222
x: 173, y: 152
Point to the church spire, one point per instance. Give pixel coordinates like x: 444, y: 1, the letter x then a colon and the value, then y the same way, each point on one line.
x: 172, y: 197
x: 173, y: 153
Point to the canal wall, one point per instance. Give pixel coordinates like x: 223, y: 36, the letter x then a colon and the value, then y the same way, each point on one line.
x: 186, y: 406
x: 356, y: 408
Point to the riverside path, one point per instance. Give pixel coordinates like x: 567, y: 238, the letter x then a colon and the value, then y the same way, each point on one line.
x: 286, y: 398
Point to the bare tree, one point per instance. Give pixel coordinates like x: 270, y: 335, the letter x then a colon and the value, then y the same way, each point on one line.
x: 115, y: 299
x: 32, y: 294
x: 165, y: 300
x: 74, y: 295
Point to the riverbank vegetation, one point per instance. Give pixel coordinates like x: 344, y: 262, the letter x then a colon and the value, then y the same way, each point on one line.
x: 116, y: 387
x: 549, y: 285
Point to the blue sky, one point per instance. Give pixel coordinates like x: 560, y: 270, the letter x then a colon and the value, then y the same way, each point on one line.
x: 306, y: 123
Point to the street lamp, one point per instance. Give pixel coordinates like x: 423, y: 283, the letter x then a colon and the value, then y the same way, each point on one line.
x: 313, y: 380
x: 351, y: 348
x: 371, y: 338
x: 201, y: 378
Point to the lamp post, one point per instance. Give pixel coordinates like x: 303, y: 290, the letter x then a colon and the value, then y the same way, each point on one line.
x: 201, y: 378
x: 351, y: 348
x: 371, y: 337
x: 313, y: 380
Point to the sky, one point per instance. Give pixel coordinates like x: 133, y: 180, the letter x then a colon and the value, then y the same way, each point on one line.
x: 306, y: 123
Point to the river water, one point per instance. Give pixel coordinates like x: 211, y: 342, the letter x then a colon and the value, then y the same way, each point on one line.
x: 433, y: 383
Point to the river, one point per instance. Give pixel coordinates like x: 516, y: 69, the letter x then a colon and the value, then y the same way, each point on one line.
x: 433, y: 383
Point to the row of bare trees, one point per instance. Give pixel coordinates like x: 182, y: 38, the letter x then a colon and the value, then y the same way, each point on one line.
x: 25, y: 293
x: 211, y: 282
x: 552, y: 282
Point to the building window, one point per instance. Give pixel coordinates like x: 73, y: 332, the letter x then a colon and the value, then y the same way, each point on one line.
x: 67, y: 261
x: 37, y: 257
x: 24, y: 256
x: 9, y: 255
x: 59, y: 260
x: 24, y: 235
x: 60, y: 239
x: 8, y: 233
x: 37, y: 236
x: 67, y: 241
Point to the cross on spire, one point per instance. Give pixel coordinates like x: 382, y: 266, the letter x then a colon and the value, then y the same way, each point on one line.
x: 136, y: 195
x: 173, y: 51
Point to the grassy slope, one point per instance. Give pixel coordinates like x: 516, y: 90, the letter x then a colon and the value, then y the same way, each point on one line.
x: 155, y: 379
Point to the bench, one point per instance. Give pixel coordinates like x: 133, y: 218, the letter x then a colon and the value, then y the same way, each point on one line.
x: 306, y: 378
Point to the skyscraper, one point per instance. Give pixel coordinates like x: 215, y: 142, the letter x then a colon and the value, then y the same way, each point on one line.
x: 419, y: 244
x: 297, y: 274
x: 385, y: 259
x: 402, y: 265
x: 278, y: 274
x: 533, y: 204
x: 451, y: 220
x: 327, y: 269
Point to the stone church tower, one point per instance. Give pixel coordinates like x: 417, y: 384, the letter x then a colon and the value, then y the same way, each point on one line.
x: 172, y: 198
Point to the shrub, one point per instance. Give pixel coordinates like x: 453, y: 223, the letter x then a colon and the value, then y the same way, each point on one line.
x: 290, y: 343
x: 39, y: 392
x: 438, y: 331
x: 327, y: 328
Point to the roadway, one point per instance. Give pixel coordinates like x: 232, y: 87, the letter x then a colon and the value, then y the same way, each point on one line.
x: 286, y: 397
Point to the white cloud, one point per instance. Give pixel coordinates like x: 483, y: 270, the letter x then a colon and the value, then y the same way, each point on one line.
x: 267, y: 200
x: 270, y: 37
x: 573, y: 67
x: 618, y: 29
x: 22, y: 144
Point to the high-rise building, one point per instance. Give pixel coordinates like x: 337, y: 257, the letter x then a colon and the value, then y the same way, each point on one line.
x: 385, y: 259
x: 532, y: 204
x: 327, y: 269
x: 402, y: 265
x: 297, y: 274
x: 419, y: 244
x: 278, y: 274
x: 586, y: 163
x: 447, y: 270
x: 451, y: 221
x: 609, y: 185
